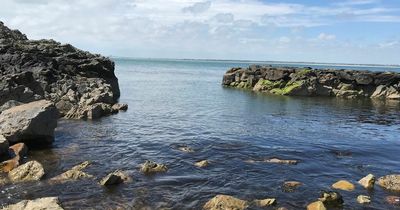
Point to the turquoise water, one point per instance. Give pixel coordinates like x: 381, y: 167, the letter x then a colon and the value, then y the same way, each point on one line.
x: 174, y: 103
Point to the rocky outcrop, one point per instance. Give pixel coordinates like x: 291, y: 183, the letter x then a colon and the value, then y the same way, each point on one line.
x: 74, y: 80
x: 32, y: 123
x: 50, y: 203
x: 315, y: 82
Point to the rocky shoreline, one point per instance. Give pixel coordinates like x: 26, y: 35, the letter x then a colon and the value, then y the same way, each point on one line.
x: 294, y: 81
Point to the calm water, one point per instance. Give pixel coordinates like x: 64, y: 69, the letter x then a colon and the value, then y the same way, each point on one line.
x: 175, y: 103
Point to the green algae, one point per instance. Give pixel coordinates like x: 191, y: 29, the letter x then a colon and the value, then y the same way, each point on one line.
x: 290, y: 86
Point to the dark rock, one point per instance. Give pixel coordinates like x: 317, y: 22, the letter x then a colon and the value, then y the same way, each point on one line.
x: 150, y: 167
x: 332, y: 199
x: 114, y: 178
x: 393, y: 200
x: 3, y: 146
x: 75, y: 173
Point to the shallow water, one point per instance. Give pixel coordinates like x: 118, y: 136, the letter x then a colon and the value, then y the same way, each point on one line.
x: 174, y: 103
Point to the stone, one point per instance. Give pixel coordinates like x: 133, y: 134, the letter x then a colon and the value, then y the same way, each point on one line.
x: 30, y: 171
x: 330, y: 198
x: 202, y: 164
x: 291, y: 186
x: 150, y: 167
x: 368, y: 181
x: 281, y: 161
x: 10, y: 164
x: 75, y: 173
x: 390, y: 182
x: 393, y: 200
x: 19, y: 149
x: 265, y: 202
x: 317, y: 205
x: 120, y: 107
x: 32, y: 123
x: 9, y: 104
x: 343, y: 185
x: 114, y: 178
x: 49, y: 203
x: 186, y: 149
x: 3, y: 146
x: 225, y: 202
x: 363, y: 199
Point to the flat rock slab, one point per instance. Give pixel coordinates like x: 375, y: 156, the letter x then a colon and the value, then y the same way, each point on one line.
x: 32, y: 123
x: 50, y: 203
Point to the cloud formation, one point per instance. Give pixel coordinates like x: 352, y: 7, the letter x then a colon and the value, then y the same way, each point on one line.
x: 214, y: 29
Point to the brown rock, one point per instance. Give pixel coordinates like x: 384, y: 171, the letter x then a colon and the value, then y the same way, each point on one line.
x: 390, y: 182
x: 317, y: 205
x: 151, y: 167
x: 114, y: 178
x: 75, y: 173
x: 30, y: 171
x: 19, y: 149
x: 9, y: 165
x: 368, y: 181
x: 225, y: 202
x: 343, y: 185
x: 393, y: 200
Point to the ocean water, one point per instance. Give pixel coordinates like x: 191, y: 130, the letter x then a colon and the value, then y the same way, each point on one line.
x: 175, y: 103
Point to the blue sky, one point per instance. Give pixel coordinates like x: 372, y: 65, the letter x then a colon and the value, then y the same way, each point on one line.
x: 344, y: 31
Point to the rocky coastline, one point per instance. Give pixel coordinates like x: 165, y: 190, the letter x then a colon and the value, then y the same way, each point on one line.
x: 294, y: 81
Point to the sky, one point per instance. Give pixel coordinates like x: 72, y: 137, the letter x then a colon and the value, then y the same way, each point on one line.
x: 333, y: 31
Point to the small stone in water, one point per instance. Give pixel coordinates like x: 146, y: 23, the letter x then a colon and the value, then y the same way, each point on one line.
x: 186, y: 149
x: 265, y: 202
x: 202, y: 164
x: 221, y: 202
x: 152, y: 167
x: 331, y: 199
x: 368, y: 181
x: 363, y: 199
x: 393, y: 200
x: 343, y: 185
x: 290, y: 186
x: 317, y: 205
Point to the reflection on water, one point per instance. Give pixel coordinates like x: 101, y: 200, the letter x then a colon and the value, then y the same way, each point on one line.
x: 174, y: 104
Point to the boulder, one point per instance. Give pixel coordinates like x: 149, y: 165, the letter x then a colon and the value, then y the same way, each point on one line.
x: 114, y: 178
x: 75, y: 173
x: 32, y: 123
x: 30, y: 171
x: 368, y: 181
x: 265, y: 202
x: 363, y: 199
x: 317, y: 205
x: 202, y: 164
x: 225, y: 202
x: 150, y: 167
x: 49, y: 203
x: 390, y: 182
x: 343, y: 185
x: 332, y: 199
x: 3, y: 146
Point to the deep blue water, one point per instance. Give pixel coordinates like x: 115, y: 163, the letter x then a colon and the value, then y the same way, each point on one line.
x: 173, y: 103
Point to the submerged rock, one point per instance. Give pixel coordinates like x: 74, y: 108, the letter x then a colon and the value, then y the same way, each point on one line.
x: 368, y: 181
x: 49, y: 203
x: 393, y: 200
x: 225, y: 202
x: 332, y: 199
x: 185, y: 149
x: 149, y: 167
x: 114, y: 178
x: 291, y: 186
x: 363, y: 199
x: 32, y: 123
x: 343, y: 185
x: 202, y: 164
x: 75, y: 173
x: 30, y: 171
x: 265, y: 202
x: 317, y: 205
x: 390, y: 182
x: 281, y: 161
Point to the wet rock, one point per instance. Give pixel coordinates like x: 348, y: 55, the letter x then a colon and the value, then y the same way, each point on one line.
x: 17, y: 152
x: 185, y: 149
x: 49, y: 203
x: 149, y: 167
x: 225, y: 202
x: 390, y: 182
x: 363, y: 199
x: 19, y: 149
x: 32, y: 123
x: 291, y: 186
x: 332, y: 199
x: 10, y: 164
x: 202, y: 164
x: 3, y: 146
x: 343, y: 185
x: 368, y: 181
x: 4, y: 180
x: 114, y: 178
x: 393, y: 200
x: 120, y: 107
x: 281, y: 161
x: 317, y: 205
x: 30, y: 171
x: 75, y: 173
x: 265, y: 202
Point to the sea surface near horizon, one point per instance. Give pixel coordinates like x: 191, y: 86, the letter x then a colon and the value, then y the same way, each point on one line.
x: 175, y: 103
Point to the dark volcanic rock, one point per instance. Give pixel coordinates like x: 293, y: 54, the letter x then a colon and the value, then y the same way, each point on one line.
x: 315, y: 82
x: 73, y: 79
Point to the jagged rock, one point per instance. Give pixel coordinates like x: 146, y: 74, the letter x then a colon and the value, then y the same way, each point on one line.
x: 3, y: 146
x: 30, y: 171
x: 149, y: 167
x: 368, y: 181
x: 202, y: 164
x: 333, y: 199
x: 114, y: 178
x: 32, y: 123
x: 45, y: 69
x: 390, y: 182
x: 343, y: 185
x: 225, y: 202
x: 363, y: 199
x: 120, y: 107
x: 49, y: 203
x: 265, y: 202
x: 291, y: 186
x: 317, y: 205
x: 315, y: 82
x: 75, y: 173
x: 393, y: 200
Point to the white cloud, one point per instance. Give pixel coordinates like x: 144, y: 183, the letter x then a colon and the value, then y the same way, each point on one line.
x: 326, y: 37
x: 198, y: 7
